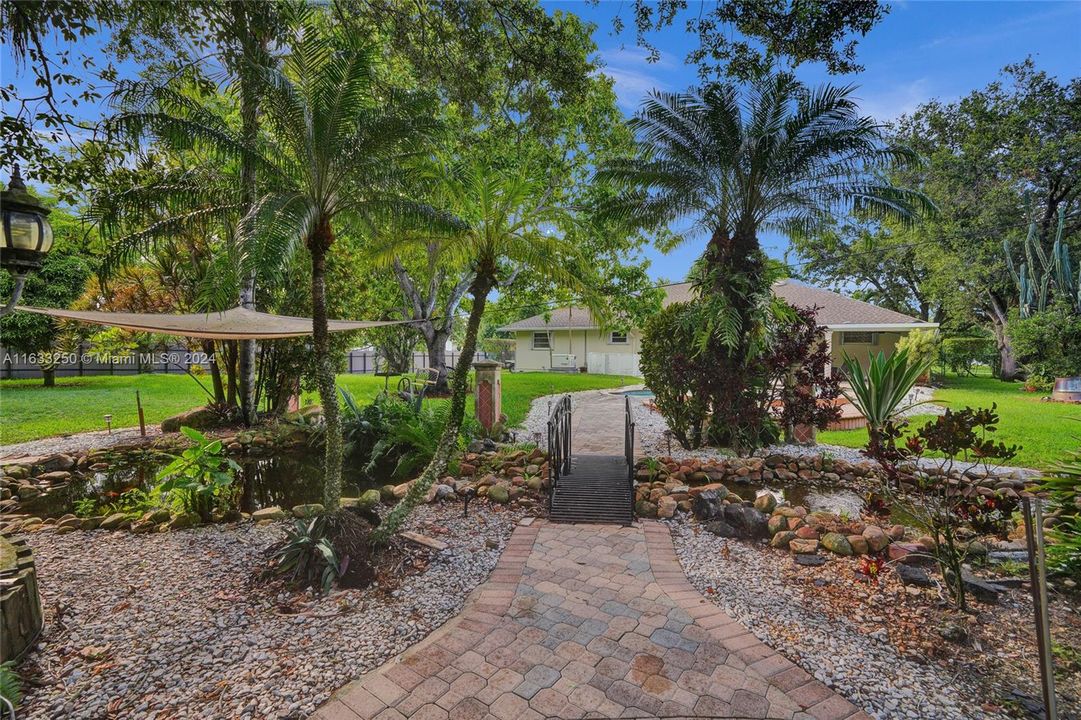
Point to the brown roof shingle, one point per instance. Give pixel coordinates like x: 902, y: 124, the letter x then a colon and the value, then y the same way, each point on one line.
x: 833, y: 309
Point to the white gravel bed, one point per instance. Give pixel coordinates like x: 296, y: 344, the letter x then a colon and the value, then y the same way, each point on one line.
x: 169, y: 625
x: 748, y: 583
x: 79, y: 442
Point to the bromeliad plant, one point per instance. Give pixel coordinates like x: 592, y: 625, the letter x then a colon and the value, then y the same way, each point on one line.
x: 199, y: 478
x: 308, y: 556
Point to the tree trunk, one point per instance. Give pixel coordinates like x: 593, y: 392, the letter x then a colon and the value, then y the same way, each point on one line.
x: 215, y: 372
x: 1008, y: 369
x: 253, y: 43
x: 324, y: 370
x: 448, y: 441
x: 437, y: 358
x: 230, y: 373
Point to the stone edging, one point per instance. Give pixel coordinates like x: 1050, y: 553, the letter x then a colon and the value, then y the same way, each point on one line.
x: 814, y: 697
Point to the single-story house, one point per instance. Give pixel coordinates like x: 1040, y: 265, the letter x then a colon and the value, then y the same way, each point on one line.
x: 568, y: 339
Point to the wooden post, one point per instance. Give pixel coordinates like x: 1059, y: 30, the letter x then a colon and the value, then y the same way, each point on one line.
x: 142, y: 419
x: 1038, y: 577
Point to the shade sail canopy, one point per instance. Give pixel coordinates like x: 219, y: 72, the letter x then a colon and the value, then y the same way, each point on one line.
x: 236, y: 324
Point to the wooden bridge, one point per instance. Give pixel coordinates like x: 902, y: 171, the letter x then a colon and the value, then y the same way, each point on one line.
x: 589, y: 488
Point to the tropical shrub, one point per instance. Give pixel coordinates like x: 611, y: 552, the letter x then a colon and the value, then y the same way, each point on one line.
x: 922, y: 347
x: 1048, y: 343
x: 963, y: 354
x: 797, y: 373
x: 678, y: 377
x: 390, y: 438
x: 308, y: 557
x: 932, y: 503
x: 200, y: 478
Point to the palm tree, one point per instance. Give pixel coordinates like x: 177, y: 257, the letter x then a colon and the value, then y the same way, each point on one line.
x: 508, y: 226
x: 336, y: 154
x: 339, y: 151
x: 736, y: 161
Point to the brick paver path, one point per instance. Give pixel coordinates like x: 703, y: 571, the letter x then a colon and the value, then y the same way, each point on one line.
x: 588, y: 621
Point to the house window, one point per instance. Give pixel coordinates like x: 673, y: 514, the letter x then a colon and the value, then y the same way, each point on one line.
x: 542, y: 341
x: 858, y: 338
x: 617, y: 338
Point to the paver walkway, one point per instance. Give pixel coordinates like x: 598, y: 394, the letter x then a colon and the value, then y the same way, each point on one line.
x: 588, y: 621
x: 597, y: 422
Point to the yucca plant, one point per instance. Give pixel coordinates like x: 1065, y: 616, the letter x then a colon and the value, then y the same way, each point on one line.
x: 881, y: 392
x: 308, y: 556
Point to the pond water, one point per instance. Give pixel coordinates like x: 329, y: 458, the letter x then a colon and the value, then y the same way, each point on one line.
x: 644, y: 392
x: 284, y: 480
x: 830, y: 499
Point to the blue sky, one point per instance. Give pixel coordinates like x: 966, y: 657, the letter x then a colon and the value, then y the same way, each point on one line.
x: 920, y: 51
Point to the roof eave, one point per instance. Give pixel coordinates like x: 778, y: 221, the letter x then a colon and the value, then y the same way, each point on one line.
x: 881, y: 327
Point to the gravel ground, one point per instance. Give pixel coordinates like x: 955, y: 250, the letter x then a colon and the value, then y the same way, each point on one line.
x: 754, y: 585
x: 170, y: 626
x: 80, y: 442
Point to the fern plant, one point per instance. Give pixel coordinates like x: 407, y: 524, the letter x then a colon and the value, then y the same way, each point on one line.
x: 10, y: 687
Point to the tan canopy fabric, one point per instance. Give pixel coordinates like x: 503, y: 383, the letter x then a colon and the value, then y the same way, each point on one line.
x: 236, y: 324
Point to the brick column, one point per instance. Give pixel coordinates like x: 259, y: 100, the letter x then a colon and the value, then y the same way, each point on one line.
x: 488, y: 396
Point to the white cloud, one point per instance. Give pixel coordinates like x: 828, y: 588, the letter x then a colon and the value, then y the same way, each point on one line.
x: 889, y: 103
x: 632, y: 76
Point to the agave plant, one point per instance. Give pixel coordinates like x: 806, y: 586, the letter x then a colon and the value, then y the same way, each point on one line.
x: 881, y: 392
x: 308, y: 557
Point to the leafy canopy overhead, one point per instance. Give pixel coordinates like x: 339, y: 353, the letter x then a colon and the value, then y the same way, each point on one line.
x: 744, y: 38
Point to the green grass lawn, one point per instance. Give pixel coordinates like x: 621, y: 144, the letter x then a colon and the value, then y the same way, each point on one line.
x: 1044, y: 430
x: 29, y: 410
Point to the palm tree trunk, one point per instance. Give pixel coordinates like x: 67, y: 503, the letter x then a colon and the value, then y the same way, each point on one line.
x: 324, y: 370
x: 448, y: 441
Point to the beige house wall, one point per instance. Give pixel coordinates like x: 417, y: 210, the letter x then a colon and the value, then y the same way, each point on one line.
x: 579, y: 343
x: 883, y: 342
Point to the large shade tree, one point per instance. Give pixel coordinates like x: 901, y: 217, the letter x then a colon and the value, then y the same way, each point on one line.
x: 508, y: 225
x: 736, y: 160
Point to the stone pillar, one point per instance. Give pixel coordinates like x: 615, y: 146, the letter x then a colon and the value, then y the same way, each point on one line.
x: 488, y: 394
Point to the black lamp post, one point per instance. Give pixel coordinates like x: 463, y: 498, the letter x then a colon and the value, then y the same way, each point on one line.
x: 28, y: 237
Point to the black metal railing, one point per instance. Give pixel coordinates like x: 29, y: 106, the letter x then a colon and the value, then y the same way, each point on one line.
x: 559, y: 444
x: 628, y: 447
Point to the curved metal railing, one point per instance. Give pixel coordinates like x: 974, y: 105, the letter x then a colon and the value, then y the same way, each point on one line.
x: 559, y: 444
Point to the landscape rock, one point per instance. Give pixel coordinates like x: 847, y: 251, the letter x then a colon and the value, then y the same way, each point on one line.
x: 911, y: 575
x: 114, y: 521
x: 765, y: 503
x: 666, y: 508
x: 273, y: 512
x: 308, y: 510
x: 749, y: 522
x: 499, y: 494
x: 798, y: 546
x: 184, y: 520
x: 782, y: 539
x: 836, y: 543
x: 877, y: 539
